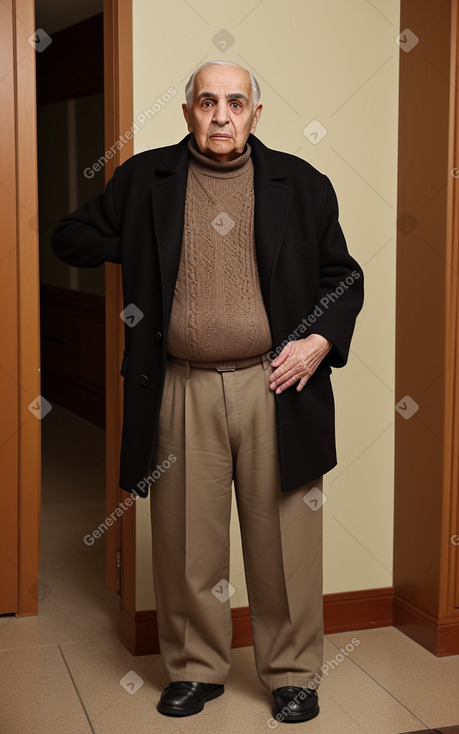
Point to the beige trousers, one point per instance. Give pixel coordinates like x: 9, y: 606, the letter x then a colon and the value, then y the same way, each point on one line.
x: 221, y: 426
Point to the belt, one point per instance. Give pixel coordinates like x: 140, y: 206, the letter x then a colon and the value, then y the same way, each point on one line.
x: 229, y: 365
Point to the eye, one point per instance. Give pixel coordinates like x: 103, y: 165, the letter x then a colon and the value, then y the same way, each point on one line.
x: 207, y: 104
x: 235, y: 105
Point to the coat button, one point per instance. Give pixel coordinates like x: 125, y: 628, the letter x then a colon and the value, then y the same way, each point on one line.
x: 144, y: 380
x: 158, y: 336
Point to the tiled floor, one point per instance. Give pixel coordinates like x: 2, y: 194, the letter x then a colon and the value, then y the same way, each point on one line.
x: 60, y: 672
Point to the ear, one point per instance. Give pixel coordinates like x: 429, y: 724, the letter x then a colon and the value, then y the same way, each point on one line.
x: 256, y: 117
x: 186, y: 114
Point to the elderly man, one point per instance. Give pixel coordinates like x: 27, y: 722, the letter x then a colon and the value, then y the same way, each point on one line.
x: 235, y: 258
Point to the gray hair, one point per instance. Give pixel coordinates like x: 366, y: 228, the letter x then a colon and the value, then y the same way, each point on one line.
x: 190, y: 84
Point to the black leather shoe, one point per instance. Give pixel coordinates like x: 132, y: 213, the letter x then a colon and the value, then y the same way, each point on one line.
x: 292, y: 704
x: 185, y: 698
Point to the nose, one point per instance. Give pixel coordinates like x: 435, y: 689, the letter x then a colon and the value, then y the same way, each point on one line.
x: 221, y: 112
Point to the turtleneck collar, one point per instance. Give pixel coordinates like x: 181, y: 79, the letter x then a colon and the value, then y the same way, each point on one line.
x: 218, y: 166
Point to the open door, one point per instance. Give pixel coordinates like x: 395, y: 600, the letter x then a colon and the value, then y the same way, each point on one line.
x: 22, y: 407
x: 21, y: 404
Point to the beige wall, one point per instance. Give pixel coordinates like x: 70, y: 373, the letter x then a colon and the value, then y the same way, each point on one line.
x: 335, y: 62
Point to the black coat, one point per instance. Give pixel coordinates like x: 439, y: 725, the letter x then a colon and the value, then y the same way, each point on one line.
x: 309, y: 282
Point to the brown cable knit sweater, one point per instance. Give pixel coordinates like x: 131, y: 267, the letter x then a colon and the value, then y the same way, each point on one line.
x: 218, y: 311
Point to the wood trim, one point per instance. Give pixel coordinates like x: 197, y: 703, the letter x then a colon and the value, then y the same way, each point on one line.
x: 139, y: 632
x: 9, y: 327
x: 343, y: 612
x: 351, y: 610
x: 118, y: 84
x: 242, y: 627
x: 426, y: 513
x: 439, y: 637
x: 453, y: 580
x: 29, y: 310
x: 449, y: 590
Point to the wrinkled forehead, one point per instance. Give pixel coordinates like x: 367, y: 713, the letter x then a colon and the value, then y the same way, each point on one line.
x: 222, y: 80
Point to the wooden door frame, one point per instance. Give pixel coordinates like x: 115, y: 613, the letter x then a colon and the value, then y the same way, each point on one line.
x: 118, y: 120
x: 118, y: 97
x: 29, y: 472
x: 426, y: 511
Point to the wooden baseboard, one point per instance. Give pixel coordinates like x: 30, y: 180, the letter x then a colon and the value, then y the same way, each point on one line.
x: 441, y: 637
x: 342, y: 612
x: 140, y: 633
x: 356, y: 610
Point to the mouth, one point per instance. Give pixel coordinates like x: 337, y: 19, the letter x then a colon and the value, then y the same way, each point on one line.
x: 220, y: 136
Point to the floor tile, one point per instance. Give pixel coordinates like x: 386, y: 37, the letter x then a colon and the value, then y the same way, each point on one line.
x: 427, y: 685
x: 5, y: 619
x: 350, y: 702
x: 350, y: 699
x: 78, y: 590
x: 38, y: 696
x: 72, y: 573
x: 51, y: 626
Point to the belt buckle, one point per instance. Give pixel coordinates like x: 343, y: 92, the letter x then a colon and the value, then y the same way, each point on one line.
x: 225, y: 369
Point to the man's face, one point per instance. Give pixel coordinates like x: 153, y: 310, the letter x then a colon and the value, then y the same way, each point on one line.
x: 222, y: 115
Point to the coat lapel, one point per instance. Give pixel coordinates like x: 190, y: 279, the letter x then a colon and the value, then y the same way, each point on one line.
x: 272, y: 202
x: 168, y: 202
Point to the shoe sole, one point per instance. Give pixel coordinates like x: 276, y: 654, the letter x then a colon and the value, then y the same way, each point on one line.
x: 292, y: 719
x: 176, y: 711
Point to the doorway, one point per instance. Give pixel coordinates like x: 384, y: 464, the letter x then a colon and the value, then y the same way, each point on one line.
x: 24, y: 408
x: 70, y: 138
x: 82, y: 333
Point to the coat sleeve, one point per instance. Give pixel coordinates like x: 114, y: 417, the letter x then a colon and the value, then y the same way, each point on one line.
x: 90, y: 235
x: 340, y: 296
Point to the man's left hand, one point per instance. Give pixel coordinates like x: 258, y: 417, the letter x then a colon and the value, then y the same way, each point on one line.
x: 297, y: 362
